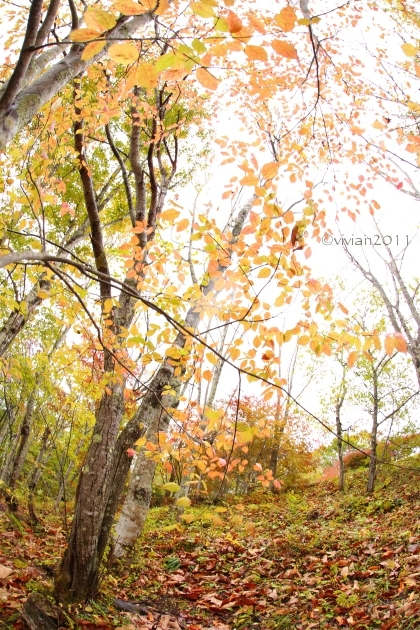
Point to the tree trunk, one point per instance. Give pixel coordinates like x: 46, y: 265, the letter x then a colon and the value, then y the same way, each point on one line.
x: 136, y: 505
x: 17, y: 319
x: 42, y: 88
x: 77, y: 577
x: 36, y: 474
x: 133, y: 430
x: 24, y: 441
x: 373, y: 437
x: 339, y: 428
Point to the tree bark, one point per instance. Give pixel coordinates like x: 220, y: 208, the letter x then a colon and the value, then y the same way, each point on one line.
x: 137, y: 502
x: 43, y: 87
x: 374, y: 436
x: 17, y: 319
x: 24, y: 441
x: 36, y: 473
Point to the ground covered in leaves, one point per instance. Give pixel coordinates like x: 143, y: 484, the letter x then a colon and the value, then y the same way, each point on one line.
x: 314, y: 559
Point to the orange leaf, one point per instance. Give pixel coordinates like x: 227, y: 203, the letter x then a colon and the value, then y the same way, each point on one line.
x: 84, y: 35
x: 249, y: 180
x: 207, y: 375
x: 400, y: 342
x: 284, y: 49
x: 92, y: 49
x: 352, y: 359
x: 288, y: 217
x: 257, y: 53
x: 304, y: 340
x: 234, y: 23
x: 257, y: 24
x: 182, y: 225
x: 270, y: 170
x: 389, y: 344
x: 163, y: 6
x: 286, y: 19
x: 206, y: 79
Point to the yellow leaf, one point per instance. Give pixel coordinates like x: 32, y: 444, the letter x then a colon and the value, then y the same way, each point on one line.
x: 126, y: 7
x: 217, y: 521
x: 188, y: 518
x: 270, y: 170
x: 182, y: 225
x: 123, y: 53
x: 171, y: 487
x: 410, y: 50
x: 170, y: 528
x: 286, y: 19
x: 257, y: 53
x: 250, y: 529
x: 284, y: 49
x: 352, y: 359
x: 415, y: 107
x: 202, y: 9
x: 220, y: 510
x: 92, y: 49
x: 147, y: 76
x: 84, y: 35
x: 183, y: 502
x: 169, y: 215
x: 264, y: 272
x: 43, y: 295
x: 206, y: 79
x: 212, y: 358
x: 98, y: 19
x: 244, y: 433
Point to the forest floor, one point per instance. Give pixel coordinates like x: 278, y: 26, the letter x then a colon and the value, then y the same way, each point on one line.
x: 313, y: 559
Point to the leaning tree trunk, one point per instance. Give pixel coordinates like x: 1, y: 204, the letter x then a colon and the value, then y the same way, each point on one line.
x: 137, y: 502
x: 131, y: 522
x: 36, y: 474
x: 373, y: 438
x: 22, y: 449
x: 17, y: 319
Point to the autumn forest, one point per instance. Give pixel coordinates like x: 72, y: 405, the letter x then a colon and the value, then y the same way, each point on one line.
x: 209, y: 314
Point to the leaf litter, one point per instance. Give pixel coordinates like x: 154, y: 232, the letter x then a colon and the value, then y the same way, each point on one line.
x: 315, y: 559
